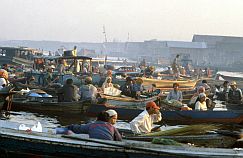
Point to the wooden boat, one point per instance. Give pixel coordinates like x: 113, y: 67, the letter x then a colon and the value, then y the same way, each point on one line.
x: 17, y: 55
x: 23, y: 104
x: 174, y: 116
x: 229, y: 76
x: 49, y: 107
x: 169, y: 83
x: 21, y: 143
x: 128, y: 101
x: 129, y: 70
x: 49, y: 90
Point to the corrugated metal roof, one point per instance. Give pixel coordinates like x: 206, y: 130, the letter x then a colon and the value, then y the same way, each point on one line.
x: 215, y: 39
x: 182, y: 44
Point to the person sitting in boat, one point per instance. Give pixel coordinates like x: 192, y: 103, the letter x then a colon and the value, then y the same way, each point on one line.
x: 103, y: 76
x: 3, y: 78
x: 195, y: 98
x: 175, y: 94
x: 61, y: 66
x: 223, y: 91
x: 100, y: 129
x: 204, y: 83
x: 112, y: 116
x: 138, y: 88
x: 69, y: 92
x: 88, y: 92
x: 143, y: 123
x: 48, y: 78
x: 201, y: 103
x: 30, y: 80
x: 149, y: 71
x: 235, y: 94
x: 182, y: 71
x: 107, y: 83
x: 188, y: 69
x: 127, y: 88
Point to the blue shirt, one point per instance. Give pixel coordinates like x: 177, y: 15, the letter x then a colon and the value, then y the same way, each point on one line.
x: 173, y: 95
x: 138, y: 87
x: 97, y: 130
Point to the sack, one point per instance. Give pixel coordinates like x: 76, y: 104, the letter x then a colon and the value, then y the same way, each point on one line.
x: 112, y: 91
x: 185, y: 108
x: 174, y: 103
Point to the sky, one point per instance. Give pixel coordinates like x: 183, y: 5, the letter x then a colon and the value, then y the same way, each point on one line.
x: 124, y: 20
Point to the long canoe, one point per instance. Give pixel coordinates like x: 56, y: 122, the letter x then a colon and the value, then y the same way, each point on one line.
x: 169, y: 83
x: 35, y: 106
x: 49, y: 90
x: 21, y: 143
x: 62, y: 110
x: 128, y: 101
x: 174, y: 116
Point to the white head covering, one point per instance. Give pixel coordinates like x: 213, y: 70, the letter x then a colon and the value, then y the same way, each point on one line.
x: 105, y: 84
x: 202, y: 95
x: 111, y: 112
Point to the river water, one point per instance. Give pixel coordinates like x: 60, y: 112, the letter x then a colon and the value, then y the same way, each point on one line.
x: 50, y: 123
x: 30, y: 119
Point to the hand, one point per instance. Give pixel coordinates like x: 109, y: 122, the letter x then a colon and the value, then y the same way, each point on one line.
x: 156, y: 129
x: 156, y: 111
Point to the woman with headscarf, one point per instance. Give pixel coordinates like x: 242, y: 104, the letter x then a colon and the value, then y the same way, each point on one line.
x: 107, y: 83
x: 201, y: 103
x: 195, y: 98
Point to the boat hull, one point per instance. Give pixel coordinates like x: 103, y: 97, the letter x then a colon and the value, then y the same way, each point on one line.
x: 174, y: 117
x: 169, y: 83
x: 62, y: 110
x: 14, y: 142
x: 128, y: 101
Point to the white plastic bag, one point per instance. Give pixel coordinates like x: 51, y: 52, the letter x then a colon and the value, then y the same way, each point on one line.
x: 23, y: 127
x: 36, y: 128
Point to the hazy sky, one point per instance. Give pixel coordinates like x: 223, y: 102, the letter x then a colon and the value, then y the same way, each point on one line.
x: 82, y: 20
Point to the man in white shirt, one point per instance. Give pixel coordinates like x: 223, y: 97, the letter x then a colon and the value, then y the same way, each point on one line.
x: 143, y: 123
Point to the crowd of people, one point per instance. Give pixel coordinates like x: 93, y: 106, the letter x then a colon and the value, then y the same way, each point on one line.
x: 103, y: 127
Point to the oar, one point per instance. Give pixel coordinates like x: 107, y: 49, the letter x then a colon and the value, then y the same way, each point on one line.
x: 156, y: 128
